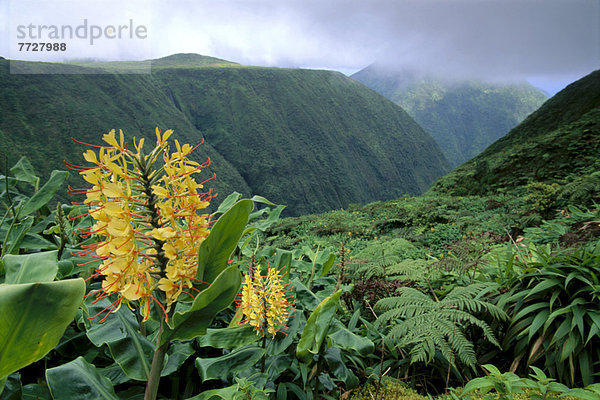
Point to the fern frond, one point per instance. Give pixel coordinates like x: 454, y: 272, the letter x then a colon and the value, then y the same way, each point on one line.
x: 425, y: 326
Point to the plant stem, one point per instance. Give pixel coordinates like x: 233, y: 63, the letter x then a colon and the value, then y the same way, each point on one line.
x: 156, y: 368
x: 264, y: 357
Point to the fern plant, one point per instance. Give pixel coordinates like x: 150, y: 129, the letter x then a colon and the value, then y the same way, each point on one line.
x: 426, y: 325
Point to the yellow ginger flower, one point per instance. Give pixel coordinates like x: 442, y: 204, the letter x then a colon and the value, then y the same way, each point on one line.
x: 147, y: 213
x: 263, y: 301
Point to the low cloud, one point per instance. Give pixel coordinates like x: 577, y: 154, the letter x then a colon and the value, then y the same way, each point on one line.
x: 496, y: 39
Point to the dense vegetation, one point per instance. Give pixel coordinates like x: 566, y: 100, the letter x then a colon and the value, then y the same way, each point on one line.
x: 444, y: 295
x: 464, y: 117
x: 553, y: 153
x: 314, y: 140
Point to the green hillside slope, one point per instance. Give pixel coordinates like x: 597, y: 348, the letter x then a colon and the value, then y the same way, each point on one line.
x: 463, y: 117
x: 559, y: 143
x: 314, y: 140
x: 41, y: 113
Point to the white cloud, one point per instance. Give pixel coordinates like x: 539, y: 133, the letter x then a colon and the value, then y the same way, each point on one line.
x: 488, y: 38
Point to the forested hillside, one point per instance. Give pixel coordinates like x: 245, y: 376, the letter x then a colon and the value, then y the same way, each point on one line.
x: 463, y: 116
x: 555, y: 149
x: 314, y: 140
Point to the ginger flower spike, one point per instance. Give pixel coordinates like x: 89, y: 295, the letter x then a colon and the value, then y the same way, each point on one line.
x: 147, y: 216
x: 264, y: 302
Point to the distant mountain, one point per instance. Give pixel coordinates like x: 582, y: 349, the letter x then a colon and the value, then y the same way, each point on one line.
x: 191, y: 60
x: 313, y: 140
x: 558, y: 144
x: 464, y: 117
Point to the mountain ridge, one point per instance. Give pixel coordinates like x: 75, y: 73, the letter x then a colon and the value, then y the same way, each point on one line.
x: 558, y: 144
x: 463, y: 116
x: 314, y: 140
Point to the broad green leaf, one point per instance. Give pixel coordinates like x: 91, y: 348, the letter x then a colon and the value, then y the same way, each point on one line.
x: 228, y: 203
x: 263, y: 225
x: 228, y: 338
x: 279, y: 345
x: 304, y: 296
x: 316, y: 327
x: 568, y: 347
x: 227, y: 365
x: 215, y: 251
x: 33, y: 318
x: 537, y: 323
x: 79, y: 380
x: 45, y: 194
x: 176, y: 355
x: 327, y: 264
x: 260, y: 199
x: 561, y: 332
x: 23, y: 171
x: 581, y: 394
x: 585, y: 367
x: 483, y: 384
x: 338, y: 368
x: 283, y: 258
x: 35, y: 392
x: 346, y: 340
x: 36, y: 242
x: 578, y: 313
x: 16, y: 235
x: 130, y: 349
x: 194, y: 321
x: 30, y: 268
x: 226, y: 393
x: 297, y: 390
x: 529, y: 309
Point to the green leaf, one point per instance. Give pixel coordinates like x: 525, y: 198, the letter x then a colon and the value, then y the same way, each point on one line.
x: 484, y: 384
x: 260, y: 199
x: 316, y: 327
x: 346, y: 340
x: 129, y: 348
x: 79, y: 380
x: 529, y: 309
x: 30, y: 268
x: 35, y: 392
x: 36, y: 242
x: 215, y: 251
x: 283, y: 258
x: 228, y: 338
x: 194, y: 321
x: 304, y: 296
x: 581, y: 394
x: 33, y: 318
x: 226, y: 393
x: 543, y: 285
x: 338, y: 368
x: 176, y: 355
x: 537, y: 323
x: 24, y: 172
x: 45, y: 194
x: 228, y: 203
x: 16, y: 235
x: 328, y: 264
x: 226, y: 366
x: 263, y: 225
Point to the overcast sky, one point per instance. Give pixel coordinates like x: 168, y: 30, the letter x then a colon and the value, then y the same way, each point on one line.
x: 549, y: 42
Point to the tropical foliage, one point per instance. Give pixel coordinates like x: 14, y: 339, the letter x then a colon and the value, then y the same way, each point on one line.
x: 444, y: 296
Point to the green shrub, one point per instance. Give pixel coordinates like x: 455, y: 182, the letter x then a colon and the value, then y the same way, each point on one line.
x: 555, y: 313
